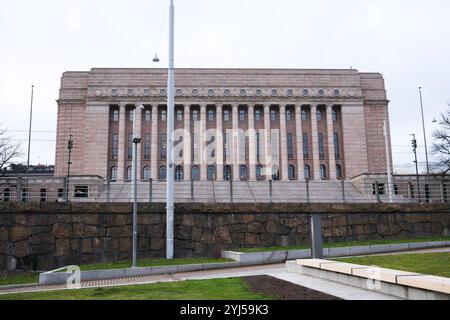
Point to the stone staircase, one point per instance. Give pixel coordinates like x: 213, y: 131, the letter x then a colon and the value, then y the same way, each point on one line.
x: 242, y: 192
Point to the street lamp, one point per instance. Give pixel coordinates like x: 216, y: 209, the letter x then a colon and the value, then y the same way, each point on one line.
x: 170, y: 129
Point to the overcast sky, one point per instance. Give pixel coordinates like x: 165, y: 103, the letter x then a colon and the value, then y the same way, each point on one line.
x: 408, y: 41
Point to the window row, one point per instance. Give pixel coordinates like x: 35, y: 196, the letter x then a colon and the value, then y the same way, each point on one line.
x: 228, y: 173
x: 211, y: 115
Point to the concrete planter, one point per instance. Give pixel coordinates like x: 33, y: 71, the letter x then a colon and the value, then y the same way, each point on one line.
x: 58, y: 277
x: 282, y: 256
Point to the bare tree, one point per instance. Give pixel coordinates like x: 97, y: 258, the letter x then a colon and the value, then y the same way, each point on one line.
x: 8, y: 150
x: 441, y: 145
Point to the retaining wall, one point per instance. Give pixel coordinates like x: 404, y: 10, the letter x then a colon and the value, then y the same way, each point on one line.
x: 50, y: 235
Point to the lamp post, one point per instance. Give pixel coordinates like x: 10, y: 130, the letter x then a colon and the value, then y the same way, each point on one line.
x: 29, y: 138
x: 170, y: 129
x: 69, y: 163
x: 424, y: 134
x: 414, y: 145
x: 135, y: 170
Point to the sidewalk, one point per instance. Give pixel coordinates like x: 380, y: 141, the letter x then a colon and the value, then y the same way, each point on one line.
x: 278, y: 271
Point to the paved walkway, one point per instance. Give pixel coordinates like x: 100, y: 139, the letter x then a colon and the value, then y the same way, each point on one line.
x: 278, y: 271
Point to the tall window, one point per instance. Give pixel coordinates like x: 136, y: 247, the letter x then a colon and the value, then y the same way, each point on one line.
x: 131, y: 115
x: 211, y: 173
x: 321, y: 147
x: 114, y: 174
x: 274, y: 142
x: 259, y: 175
x: 227, y: 173
x: 288, y: 115
x: 179, y: 115
x: 273, y: 115
x: 338, y: 171
x: 227, y: 146
x: 304, y: 115
x: 336, y: 146
x: 307, y: 172
x: 195, y: 115
x: 7, y: 195
x: 195, y: 147
x: 116, y: 115
x: 323, y: 172
x: 146, y: 173
x: 162, y: 173
x: 129, y: 173
x: 243, y: 172
x: 305, y: 146
x: 242, y: 146
x: 195, y: 173
x: 148, y: 116
x: 226, y: 115
x: 163, y: 115
x: 334, y: 115
x: 275, y: 173
x: 179, y: 173
x: 242, y: 115
x: 319, y: 115
x: 258, y: 146
x: 257, y: 115
x: 290, y: 146
x: 43, y: 195
x: 130, y: 146
x: 147, y: 144
x: 24, y: 194
x: 291, y: 172
x: 162, y: 146
x: 210, y: 115
x: 115, y: 146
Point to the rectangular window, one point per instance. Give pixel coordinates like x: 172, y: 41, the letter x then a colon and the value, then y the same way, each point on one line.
x: 258, y: 115
x: 115, y: 146
x: 210, y: 115
x: 288, y: 115
x: 195, y: 147
x: 273, y: 115
x: 241, y: 115
x: 60, y: 193
x: 148, y: 116
x: 242, y: 146
x: 274, y: 145
x: 304, y: 115
x: 116, y: 115
x: 226, y: 115
x: 305, y: 146
x: 163, y: 115
x: 81, y: 192
x: 162, y: 146
x: 337, y: 154
x: 381, y: 188
x: 179, y: 115
x: 147, y: 145
x: 130, y: 146
x: 194, y: 115
x: 131, y: 115
x: 227, y: 146
x: 258, y: 146
x: 321, y: 147
x: 290, y: 146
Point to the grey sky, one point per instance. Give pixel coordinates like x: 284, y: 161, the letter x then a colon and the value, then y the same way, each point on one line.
x: 407, y: 41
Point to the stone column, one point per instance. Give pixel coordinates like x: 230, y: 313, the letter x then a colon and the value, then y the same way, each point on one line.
x: 299, y: 135
x: 315, y: 143
x: 203, y: 144
x: 122, y: 139
x: 219, y: 142
x: 283, y: 144
x: 187, y: 152
x: 267, y: 142
x: 154, y: 144
x: 138, y: 118
x: 235, y: 148
x: 252, y: 143
x: 330, y: 131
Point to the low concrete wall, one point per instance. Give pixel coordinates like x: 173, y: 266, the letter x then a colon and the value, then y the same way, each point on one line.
x: 51, y: 235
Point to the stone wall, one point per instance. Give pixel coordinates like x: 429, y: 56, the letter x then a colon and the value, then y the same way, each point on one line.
x: 49, y: 235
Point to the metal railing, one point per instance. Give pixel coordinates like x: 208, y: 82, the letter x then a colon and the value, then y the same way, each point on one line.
x: 230, y: 192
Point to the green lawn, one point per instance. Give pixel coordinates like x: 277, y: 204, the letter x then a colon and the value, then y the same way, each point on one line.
x: 19, y: 279
x: 216, y: 289
x: 345, y: 244
x: 34, y: 278
x: 437, y: 264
